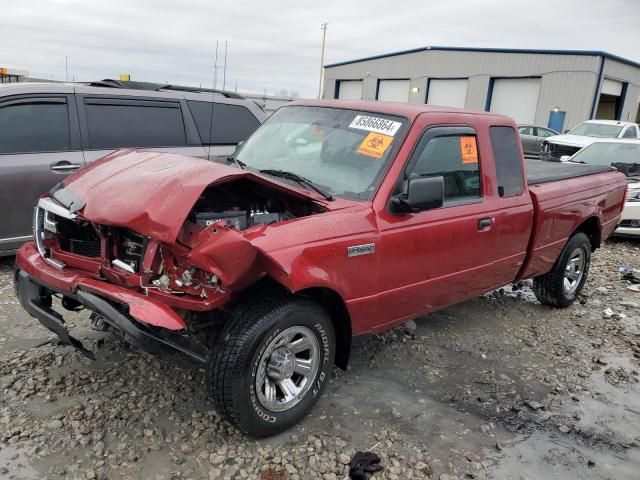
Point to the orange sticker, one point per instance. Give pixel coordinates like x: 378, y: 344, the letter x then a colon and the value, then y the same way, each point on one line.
x: 375, y: 144
x: 468, y: 150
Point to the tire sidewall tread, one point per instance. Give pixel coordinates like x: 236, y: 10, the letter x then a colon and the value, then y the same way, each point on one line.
x: 549, y: 289
x: 233, y: 359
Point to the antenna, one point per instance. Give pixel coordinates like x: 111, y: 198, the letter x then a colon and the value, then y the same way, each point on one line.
x: 213, y: 97
x: 224, y: 74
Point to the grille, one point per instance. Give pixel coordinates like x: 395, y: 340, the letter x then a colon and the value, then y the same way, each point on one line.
x: 79, y: 238
x: 85, y: 248
x: 630, y: 223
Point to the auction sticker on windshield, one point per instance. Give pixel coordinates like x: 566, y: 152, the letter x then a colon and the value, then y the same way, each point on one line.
x: 375, y: 124
x: 374, y: 145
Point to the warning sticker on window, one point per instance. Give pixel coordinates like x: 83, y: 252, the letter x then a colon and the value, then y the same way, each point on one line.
x: 375, y: 124
x: 375, y: 144
x: 469, y: 150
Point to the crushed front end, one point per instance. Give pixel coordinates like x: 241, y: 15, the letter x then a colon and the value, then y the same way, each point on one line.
x: 148, y: 290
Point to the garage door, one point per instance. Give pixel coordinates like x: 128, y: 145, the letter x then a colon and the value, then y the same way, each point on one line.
x: 393, y: 90
x: 350, y: 90
x: 611, y: 87
x: 450, y: 93
x: 516, y: 97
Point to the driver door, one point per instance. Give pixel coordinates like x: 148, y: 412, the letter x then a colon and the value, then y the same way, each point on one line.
x: 438, y: 257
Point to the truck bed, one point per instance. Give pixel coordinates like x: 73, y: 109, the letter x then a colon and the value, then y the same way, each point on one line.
x: 544, y: 172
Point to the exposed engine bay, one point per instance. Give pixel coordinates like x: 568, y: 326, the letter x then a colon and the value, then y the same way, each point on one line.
x: 243, y: 204
x: 210, y: 254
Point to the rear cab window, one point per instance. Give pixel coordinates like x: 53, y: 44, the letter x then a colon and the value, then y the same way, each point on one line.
x: 452, y: 153
x: 508, y: 161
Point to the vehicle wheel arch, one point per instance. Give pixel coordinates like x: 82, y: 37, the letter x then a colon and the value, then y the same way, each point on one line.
x: 592, y: 228
x: 279, y: 278
x: 335, y: 306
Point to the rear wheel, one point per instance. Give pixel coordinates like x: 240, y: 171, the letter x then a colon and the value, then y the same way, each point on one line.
x: 271, y: 363
x: 561, y: 286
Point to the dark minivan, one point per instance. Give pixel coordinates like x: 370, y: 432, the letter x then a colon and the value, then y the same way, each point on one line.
x: 49, y: 130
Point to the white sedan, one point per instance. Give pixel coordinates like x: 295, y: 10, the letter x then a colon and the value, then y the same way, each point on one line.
x: 625, y: 156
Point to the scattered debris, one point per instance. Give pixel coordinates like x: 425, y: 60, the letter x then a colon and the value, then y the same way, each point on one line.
x: 362, y: 464
x: 629, y: 274
x: 532, y: 404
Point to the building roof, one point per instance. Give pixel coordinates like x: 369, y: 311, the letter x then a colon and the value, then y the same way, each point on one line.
x: 589, y: 53
x: 404, y: 109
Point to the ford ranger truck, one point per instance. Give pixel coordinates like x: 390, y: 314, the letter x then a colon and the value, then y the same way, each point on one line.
x: 334, y: 219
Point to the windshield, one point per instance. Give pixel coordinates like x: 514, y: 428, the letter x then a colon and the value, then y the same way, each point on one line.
x: 344, y: 152
x: 600, y: 130
x: 624, y: 156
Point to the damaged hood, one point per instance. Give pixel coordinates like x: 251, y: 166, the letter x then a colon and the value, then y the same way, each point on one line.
x: 572, y: 140
x: 149, y: 192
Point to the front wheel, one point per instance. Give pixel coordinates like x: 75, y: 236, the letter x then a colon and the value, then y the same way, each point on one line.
x: 561, y: 286
x: 271, y: 364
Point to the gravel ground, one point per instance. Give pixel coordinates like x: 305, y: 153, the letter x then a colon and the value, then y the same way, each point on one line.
x: 497, y: 387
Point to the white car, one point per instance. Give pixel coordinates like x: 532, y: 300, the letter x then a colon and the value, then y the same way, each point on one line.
x: 625, y: 156
x: 557, y: 146
x: 630, y: 222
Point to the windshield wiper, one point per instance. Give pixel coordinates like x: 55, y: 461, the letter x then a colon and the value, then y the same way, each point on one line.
x: 577, y: 161
x: 299, y: 179
x: 239, y: 163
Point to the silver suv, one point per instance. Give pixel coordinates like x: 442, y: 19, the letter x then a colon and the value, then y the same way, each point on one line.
x: 49, y: 130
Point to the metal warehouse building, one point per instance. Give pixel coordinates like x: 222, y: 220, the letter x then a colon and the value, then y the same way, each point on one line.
x: 558, y: 88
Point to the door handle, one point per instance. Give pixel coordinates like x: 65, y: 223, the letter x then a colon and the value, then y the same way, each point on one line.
x: 64, y: 166
x: 485, y: 223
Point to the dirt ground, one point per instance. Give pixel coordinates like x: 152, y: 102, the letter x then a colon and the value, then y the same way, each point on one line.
x: 497, y: 387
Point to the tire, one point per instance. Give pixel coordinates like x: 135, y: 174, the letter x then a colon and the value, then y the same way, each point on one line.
x: 258, y: 335
x: 551, y: 288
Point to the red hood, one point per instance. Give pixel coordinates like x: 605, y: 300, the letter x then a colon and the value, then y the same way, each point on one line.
x: 152, y: 193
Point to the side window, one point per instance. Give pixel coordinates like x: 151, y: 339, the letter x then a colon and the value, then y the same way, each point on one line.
x: 506, y: 154
x: 34, y: 126
x: 525, y: 130
x: 231, y: 123
x: 455, y: 158
x: 630, y: 133
x: 116, y: 123
x: 544, y: 133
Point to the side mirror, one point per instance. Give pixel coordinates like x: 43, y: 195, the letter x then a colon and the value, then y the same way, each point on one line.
x: 423, y: 193
x: 566, y: 130
x: 564, y: 158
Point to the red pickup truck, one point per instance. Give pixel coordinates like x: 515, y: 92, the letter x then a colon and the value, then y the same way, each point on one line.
x: 333, y: 219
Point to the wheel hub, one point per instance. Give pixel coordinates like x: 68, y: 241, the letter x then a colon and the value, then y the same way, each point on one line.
x: 574, y: 271
x: 281, y: 365
x: 287, y: 368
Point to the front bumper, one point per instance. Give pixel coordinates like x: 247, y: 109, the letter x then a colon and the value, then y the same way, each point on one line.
x: 630, y: 220
x: 132, y: 313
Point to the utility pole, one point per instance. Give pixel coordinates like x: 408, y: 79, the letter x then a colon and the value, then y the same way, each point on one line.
x: 224, y: 73
x: 236, y: 85
x: 323, y: 27
x: 66, y: 68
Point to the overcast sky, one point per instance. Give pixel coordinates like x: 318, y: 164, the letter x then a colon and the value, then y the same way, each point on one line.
x: 275, y: 44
